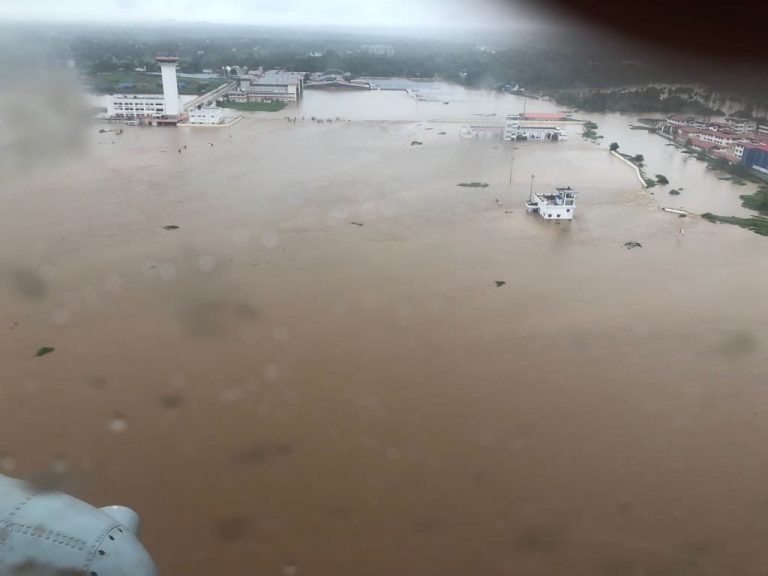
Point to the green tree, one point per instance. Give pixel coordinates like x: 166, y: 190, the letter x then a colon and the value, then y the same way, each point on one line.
x: 614, y: 146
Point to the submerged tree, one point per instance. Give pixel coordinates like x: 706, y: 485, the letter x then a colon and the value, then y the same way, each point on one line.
x: 614, y: 146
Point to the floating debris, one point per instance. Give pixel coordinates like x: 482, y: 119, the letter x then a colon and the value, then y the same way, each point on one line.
x: 632, y: 244
x: 500, y: 283
x: 170, y: 227
x: 97, y: 382
x: 231, y: 528
x: 441, y: 133
x: 59, y: 466
x: 43, y: 351
x: 357, y: 223
x: 416, y: 143
x: 473, y: 184
x: 118, y: 423
x: 171, y: 402
x: 509, y: 211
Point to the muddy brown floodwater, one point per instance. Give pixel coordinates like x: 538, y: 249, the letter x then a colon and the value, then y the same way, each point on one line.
x: 280, y: 391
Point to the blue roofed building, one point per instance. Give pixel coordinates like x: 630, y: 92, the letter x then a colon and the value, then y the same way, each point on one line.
x: 755, y: 156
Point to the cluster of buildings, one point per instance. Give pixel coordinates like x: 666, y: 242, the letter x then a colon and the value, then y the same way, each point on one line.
x: 269, y: 86
x: 526, y: 126
x: 162, y: 108
x: 736, y: 140
x: 167, y: 108
x: 378, y: 50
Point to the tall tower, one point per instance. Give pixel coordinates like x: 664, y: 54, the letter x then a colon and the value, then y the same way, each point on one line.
x: 170, y: 86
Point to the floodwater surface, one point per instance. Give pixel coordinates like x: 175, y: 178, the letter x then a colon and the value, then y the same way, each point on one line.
x: 301, y: 348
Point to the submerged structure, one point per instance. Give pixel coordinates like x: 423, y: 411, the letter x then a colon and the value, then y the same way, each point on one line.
x: 559, y: 205
x: 520, y: 127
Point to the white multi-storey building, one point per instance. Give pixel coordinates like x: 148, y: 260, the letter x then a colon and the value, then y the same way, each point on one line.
x: 209, y: 115
x: 151, y: 108
x: 136, y: 106
x: 272, y: 85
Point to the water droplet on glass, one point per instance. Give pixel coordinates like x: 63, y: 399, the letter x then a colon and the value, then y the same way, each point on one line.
x: 270, y: 239
x: 179, y: 380
x: 47, y: 272
x: 281, y: 334
x: 206, y: 263
x: 61, y: 316
x: 167, y: 272
x: 113, y: 283
x: 271, y: 371
x: 149, y: 270
x: 228, y: 395
x: 90, y: 295
x: 118, y: 424
x: 59, y: 466
x: 241, y: 236
x: 7, y: 463
x: 393, y: 453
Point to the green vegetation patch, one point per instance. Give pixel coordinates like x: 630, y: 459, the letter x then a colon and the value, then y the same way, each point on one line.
x: 473, y: 184
x: 758, y: 201
x: 43, y: 351
x: 757, y: 224
x: 254, y: 106
x: 661, y: 179
x: 125, y: 82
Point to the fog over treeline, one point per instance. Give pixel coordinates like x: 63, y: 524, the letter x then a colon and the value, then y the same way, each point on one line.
x: 545, y: 56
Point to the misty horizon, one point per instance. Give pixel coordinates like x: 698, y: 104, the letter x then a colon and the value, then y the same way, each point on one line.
x: 334, y: 15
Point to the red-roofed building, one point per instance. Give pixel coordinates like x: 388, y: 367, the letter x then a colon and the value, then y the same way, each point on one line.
x: 720, y: 137
x: 725, y: 155
x: 699, y: 144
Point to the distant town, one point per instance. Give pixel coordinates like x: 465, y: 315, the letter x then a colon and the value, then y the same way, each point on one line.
x: 731, y: 139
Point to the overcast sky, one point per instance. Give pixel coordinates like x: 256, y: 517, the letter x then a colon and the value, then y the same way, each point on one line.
x: 364, y: 13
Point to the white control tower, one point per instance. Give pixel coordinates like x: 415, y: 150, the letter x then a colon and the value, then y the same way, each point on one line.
x: 170, y: 86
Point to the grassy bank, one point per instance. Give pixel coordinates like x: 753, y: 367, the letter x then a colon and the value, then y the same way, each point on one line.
x: 145, y: 83
x: 757, y: 224
x: 254, y: 106
x: 758, y: 201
